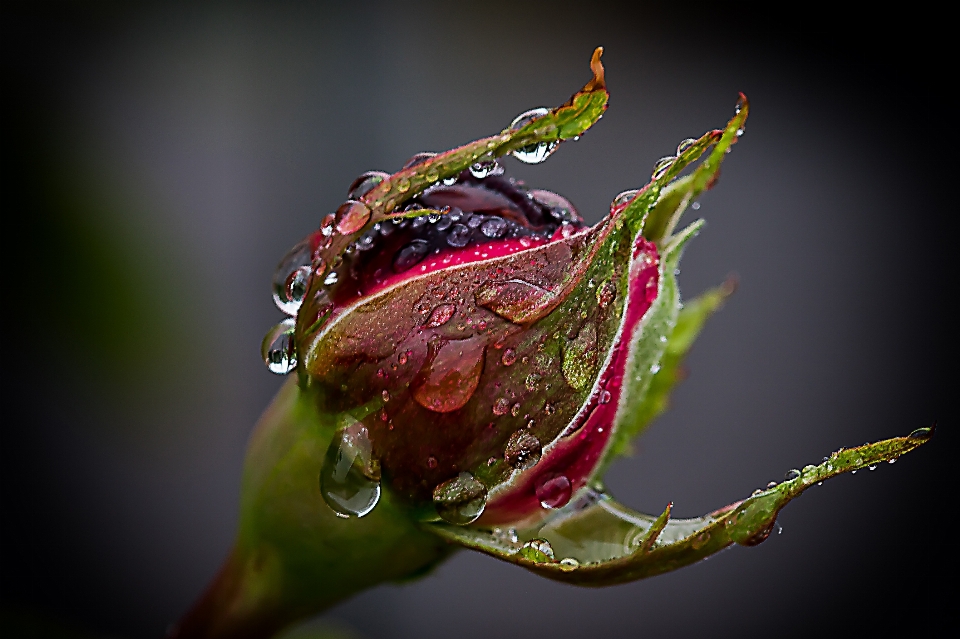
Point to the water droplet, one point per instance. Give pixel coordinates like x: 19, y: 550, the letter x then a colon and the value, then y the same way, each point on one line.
x: 569, y: 564
x: 695, y: 206
x: 330, y: 279
x: 410, y: 255
x: 419, y: 158
x: 685, y: 144
x: 402, y: 358
x: 872, y: 467
x: 450, y: 374
x: 515, y: 410
x: 549, y: 409
x: 739, y: 132
x: 741, y: 102
x: 278, y: 350
x: 365, y: 183
x: 623, y: 198
x: 326, y: 224
x: 606, y: 294
x: 287, y: 293
x: 350, y: 477
x: 385, y: 395
x: 460, y: 500
x: 483, y: 167
x: 772, y: 484
x: 431, y: 462
x: 509, y: 357
x: 506, y: 537
x: 527, y: 117
x: 535, y: 153
x: 458, y: 236
x: 450, y: 181
x: 893, y: 460
x: 441, y: 315
x: 553, y: 490
x: 501, y: 406
x: 791, y: 474
x: 532, y: 381
x: 662, y: 165
x: 919, y: 433
x: 700, y: 540
x: 403, y: 184
x: 538, y: 550
x: 604, y: 397
x: 352, y: 216
x: 523, y: 450
x: 493, y: 226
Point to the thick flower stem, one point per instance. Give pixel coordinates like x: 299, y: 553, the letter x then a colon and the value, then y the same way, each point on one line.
x: 294, y: 555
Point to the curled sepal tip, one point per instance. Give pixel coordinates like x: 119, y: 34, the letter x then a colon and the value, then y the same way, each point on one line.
x: 594, y: 541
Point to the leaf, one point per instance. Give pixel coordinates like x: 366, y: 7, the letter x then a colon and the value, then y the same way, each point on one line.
x: 595, y: 541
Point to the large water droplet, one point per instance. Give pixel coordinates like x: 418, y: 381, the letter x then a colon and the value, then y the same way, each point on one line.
x: 527, y: 117
x: 662, y: 165
x: 684, y: 145
x: 523, y: 450
x: 535, y: 153
x: 288, y: 294
x: 450, y: 374
x: 352, y: 216
x: 277, y: 348
x: 623, y: 198
x: 365, y: 183
x: 791, y: 474
x: 553, y: 490
x: 538, y: 550
x: 350, y: 477
x: 485, y: 166
x: 419, y: 158
x: 460, y: 500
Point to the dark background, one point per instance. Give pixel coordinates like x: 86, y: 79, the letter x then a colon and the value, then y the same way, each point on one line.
x: 160, y: 159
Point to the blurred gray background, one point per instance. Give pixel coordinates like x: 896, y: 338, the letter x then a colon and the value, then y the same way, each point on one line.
x: 162, y: 158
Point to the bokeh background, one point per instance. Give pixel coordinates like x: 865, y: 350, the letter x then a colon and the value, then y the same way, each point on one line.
x: 161, y: 158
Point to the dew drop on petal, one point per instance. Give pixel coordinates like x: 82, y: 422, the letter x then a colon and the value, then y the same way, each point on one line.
x: 410, y: 255
x: 278, y: 350
x: 350, y: 477
x: 460, y: 500
x: 441, y: 315
x: 493, y: 227
x: 523, y: 450
x: 553, y: 490
x: 450, y: 375
x: 501, y: 406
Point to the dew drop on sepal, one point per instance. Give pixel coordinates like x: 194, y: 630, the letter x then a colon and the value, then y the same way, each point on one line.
x: 460, y: 500
x: 350, y: 477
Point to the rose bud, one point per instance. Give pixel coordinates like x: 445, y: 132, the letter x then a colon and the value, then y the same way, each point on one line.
x: 469, y: 357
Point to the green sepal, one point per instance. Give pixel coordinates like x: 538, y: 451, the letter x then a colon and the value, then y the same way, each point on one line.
x: 690, y: 320
x: 597, y: 542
